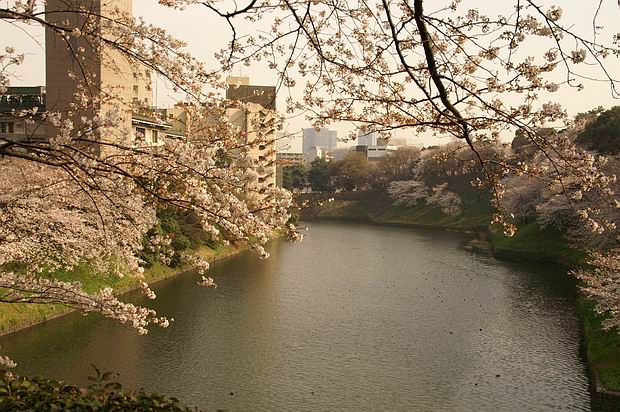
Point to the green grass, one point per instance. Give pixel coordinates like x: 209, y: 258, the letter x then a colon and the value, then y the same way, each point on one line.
x: 14, y: 316
x: 532, y: 243
x: 603, y: 347
x: 217, y: 251
x: 345, y: 209
x: 476, y: 213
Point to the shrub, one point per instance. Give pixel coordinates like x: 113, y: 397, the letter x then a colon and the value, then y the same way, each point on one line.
x: 37, y: 394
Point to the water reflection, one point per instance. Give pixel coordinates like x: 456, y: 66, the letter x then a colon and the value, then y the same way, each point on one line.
x: 355, y: 318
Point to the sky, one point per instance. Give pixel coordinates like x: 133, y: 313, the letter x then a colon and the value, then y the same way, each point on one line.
x: 206, y: 34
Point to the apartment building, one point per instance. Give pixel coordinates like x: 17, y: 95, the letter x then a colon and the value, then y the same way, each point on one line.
x: 109, y: 82
x: 259, y: 110
x: 15, y: 128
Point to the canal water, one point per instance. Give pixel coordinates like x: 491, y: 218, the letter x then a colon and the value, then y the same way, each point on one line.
x: 355, y: 318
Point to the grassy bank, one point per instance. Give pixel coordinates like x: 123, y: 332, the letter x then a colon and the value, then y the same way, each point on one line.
x: 529, y: 243
x: 603, y: 348
x: 533, y: 243
x: 476, y: 213
x: 18, y: 316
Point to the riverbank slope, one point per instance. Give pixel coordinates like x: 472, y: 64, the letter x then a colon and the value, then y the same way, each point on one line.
x: 17, y: 316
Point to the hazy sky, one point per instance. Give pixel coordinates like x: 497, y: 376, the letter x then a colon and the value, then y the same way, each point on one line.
x: 207, y: 34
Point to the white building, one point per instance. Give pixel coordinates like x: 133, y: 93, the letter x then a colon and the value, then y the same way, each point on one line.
x: 260, y: 109
x: 312, y: 153
x: 366, y: 139
x: 341, y: 153
x: 323, y: 138
x: 377, y: 152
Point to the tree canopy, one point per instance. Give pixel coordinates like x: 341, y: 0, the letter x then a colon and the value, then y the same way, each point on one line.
x: 603, y: 134
x: 89, y: 192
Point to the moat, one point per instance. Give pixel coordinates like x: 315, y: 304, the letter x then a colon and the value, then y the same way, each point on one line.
x: 356, y: 317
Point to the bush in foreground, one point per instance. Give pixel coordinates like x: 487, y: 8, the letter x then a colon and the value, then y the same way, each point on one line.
x: 37, y: 394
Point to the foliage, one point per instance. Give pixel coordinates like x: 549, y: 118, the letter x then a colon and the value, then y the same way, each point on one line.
x: 603, y: 134
x: 320, y: 176
x: 602, y: 284
x: 177, y: 242
x: 408, y: 192
x: 88, y: 192
x: 352, y: 172
x: 294, y: 176
x: 535, y: 243
x: 399, y: 164
x: 448, y: 202
x: 36, y: 394
x: 603, y: 346
x: 524, y: 147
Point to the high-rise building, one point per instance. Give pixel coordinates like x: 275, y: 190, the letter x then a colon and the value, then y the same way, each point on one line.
x: 260, y: 109
x: 323, y: 138
x: 366, y: 139
x: 107, y: 79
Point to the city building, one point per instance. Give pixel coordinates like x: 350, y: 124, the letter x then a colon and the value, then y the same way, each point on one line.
x: 374, y: 152
x: 323, y: 138
x: 315, y: 152
x: 16, y: 128
x: 377, y: 152
x: 240, y: 89
x: 148, y: 131
x: 259, y: 109
x: 289, y: 158
x: 366, y: 138
x: 177, y: 118
x: 341, y: 153
x: 107, y: 79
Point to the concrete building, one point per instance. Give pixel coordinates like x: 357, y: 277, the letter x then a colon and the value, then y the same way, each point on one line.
x: 312, y: 153
x: 366, y: 139
x: 240, y: 89
x: 289, y: 159
x: 148, y: 131
x: 260, y: 109
x: 374, y: 152
x: 112, y: 83
x: 324, y: 138
x: 377, y: 152
x: 16, y: 128
x: 341, y: 153
x: 178, y: 120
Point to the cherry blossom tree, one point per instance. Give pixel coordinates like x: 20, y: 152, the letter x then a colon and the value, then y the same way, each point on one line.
x: 408, y: 192
x: 399, y: 164
x: 87, y: 192
x: 447, y: 68
x: 411, y: 192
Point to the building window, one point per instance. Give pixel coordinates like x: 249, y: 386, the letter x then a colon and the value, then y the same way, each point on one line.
x: 261, y: 147
x: 135, y: 89
x: 7, y: 127
x: 140, y: 134
x: 155, y: 136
